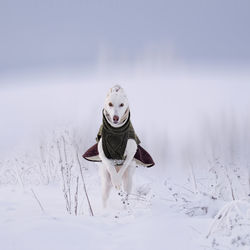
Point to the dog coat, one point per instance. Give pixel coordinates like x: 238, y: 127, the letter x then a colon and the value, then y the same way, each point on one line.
x: 114, y: 141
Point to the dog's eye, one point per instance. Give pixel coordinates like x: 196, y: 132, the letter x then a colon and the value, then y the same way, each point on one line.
x: 122, y: 104
x: 110, y: 104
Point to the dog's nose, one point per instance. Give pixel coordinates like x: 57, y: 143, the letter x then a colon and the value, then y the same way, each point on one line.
x: 116, y: 118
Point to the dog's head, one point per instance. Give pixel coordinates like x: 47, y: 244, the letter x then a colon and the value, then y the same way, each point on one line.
x: 116, y: 108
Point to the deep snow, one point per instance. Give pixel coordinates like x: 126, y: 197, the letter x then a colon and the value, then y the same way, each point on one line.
x: 25, y: 226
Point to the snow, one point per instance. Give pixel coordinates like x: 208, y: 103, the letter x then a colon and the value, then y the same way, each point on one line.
x: 25, y: 226
x: 194, y: 123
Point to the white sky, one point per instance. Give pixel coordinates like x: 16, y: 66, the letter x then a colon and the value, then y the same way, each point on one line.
x: 69, y: 32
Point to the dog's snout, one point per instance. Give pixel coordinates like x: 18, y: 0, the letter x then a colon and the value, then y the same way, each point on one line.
x: 116, y: 118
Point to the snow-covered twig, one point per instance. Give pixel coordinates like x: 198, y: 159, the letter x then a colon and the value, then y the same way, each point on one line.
x: 84, y: 185
x: 224, y: 214
x: 64, y: 181
x: 230, y: 184
x: 76, y: 195
x: 193, y: 178
x: 38, y: 201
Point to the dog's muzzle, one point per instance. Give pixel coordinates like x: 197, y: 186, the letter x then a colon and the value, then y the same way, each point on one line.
x: 115, y: 119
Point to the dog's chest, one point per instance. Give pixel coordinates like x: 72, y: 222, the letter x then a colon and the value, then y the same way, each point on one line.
x: 114, y: 144
x: 114, y: 148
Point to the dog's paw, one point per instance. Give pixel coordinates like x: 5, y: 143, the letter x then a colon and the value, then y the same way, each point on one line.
x: 118, y: 187
x: 117, y: 182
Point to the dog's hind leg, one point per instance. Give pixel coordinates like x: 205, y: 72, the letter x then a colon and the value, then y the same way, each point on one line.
x: 106, y: 185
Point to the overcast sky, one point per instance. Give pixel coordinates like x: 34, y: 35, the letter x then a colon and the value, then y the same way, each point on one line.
x: 57, y: 32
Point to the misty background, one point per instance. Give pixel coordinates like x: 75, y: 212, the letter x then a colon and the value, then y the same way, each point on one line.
x: 183, y: 64
x: 47, y: 34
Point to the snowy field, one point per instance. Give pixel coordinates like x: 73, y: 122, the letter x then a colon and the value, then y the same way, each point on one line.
x: 194, y: 122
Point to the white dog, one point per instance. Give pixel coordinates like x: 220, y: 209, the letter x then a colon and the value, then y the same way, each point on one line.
x: 117, y: 172
x: 117, y: 146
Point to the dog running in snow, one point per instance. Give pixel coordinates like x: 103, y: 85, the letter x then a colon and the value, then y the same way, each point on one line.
x: 117, y: 145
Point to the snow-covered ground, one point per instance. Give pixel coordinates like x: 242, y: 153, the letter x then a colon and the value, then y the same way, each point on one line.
x: 25, y: 226
x: 195, y: 124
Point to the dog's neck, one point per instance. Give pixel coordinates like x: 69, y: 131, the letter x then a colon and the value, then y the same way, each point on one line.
x: 122, y: 121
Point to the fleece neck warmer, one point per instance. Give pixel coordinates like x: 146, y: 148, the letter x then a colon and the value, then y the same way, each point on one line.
x: 114, y: 140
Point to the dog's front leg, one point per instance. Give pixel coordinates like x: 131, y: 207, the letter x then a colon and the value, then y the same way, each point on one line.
x: 115, y: 179
x: 130, y: 153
